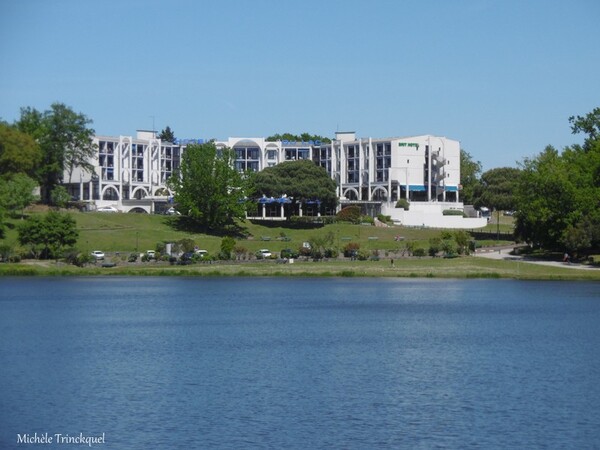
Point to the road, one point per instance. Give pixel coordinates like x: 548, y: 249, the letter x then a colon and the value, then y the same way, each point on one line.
x: 504, y: 253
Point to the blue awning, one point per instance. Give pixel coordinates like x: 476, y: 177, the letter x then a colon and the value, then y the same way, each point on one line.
x: 417, y: 187
x: 451, y: 189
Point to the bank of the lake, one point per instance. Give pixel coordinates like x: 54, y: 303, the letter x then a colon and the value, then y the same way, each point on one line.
x: 462, y: 267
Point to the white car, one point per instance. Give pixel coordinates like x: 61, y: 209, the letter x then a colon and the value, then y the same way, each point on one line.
x: 98, y: 254
x: 202, y: 253
x: 172, y: 212
x: 151, y: 254
x: 109, y: 209
x: 264, y: 253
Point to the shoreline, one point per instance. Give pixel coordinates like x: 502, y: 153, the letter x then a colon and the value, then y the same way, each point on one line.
x: 495, y: 265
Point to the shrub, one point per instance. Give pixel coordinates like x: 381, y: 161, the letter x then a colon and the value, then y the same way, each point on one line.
x: 331, y: 252
x: 367, y: 219
x: 453, y: 212
x: 363, y: 255
x: 351, y: 249
x: 435, y: 245
x: 289, y: 253
x: 6, y: 251
x: 419, y: 252
x: 403, y: 203
x: 349, y: 214
x: 132, y: 257
x: 77, y: 258
x: 227, y: 246
x: 239, y: 250
x: 384, y: 219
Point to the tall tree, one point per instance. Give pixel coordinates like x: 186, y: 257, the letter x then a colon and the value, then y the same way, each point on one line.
x: 49, y: 235
x: 588, y: 124
x: 301, y: 180
x: 497, y: 188
x: 167, y: 135
x: 208, y: 188
x: 470, y: 171
x: 65, y: 139
x: 17, y: 192
x: 19, y: 152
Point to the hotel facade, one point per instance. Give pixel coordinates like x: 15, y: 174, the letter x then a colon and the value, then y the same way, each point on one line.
x: 130, y: 173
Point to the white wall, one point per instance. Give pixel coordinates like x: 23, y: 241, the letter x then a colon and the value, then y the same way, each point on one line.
x: 424, y: 214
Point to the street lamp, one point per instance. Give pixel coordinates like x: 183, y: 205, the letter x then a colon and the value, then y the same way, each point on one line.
x: 137, y: 235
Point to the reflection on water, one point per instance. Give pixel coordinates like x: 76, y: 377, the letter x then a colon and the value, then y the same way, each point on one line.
x: 301, y: 363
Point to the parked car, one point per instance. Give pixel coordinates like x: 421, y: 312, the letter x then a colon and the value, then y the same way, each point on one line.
x: 172, y: 212
x: 99, y: 255
x: 263, y: 253
x: 187, y: 256
x: 201, y: 253
x: 151, y: 254
x: 108, y: 209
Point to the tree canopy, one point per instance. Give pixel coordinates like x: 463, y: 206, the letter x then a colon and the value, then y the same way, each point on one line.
x: 469, y: 177
x: 65, y: 140
x: 167, y: 135
x: 19, y: 152
x: 558, y: 195
x: 49, y: 235
x: 16, y: 192
x: 304, y: 137
x: 300, y: 180
x: 208, y: 189
x: 497, y: 188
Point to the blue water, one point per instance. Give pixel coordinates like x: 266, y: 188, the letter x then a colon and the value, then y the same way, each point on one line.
x: 183, y: 363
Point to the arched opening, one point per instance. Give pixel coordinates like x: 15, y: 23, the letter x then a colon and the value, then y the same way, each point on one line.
x: 138, y: 210
x: 351, y: 194
x: 110, y: 193
x: 380, y: 194
x: 139, y: 193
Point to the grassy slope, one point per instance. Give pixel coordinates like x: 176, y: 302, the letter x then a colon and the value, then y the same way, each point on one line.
x: 119, y: 232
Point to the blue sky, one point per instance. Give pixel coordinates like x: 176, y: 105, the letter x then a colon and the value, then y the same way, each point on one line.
x: 500, y: 76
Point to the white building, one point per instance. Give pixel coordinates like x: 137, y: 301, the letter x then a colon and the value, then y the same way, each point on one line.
x: 130, y: 173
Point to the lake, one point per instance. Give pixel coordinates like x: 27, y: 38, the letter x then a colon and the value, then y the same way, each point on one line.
x: 183, y: 363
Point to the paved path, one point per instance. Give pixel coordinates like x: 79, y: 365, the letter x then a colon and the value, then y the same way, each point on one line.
x: 504, y: 253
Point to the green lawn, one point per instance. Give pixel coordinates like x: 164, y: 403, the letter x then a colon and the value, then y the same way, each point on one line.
x: 126, y: 232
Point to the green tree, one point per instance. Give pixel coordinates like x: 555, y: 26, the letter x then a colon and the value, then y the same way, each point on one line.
x: 167, y: 135
x: 66, y: 142
x: 544, y: 199
x: 588, y: 124
x: 60, y: 197
x: 208, y: 188
x: 19, y: 152
x: 557, y: 199
x: 17, y: 192
x: 304, y: 137
x: 469, y: 176
x: 49, y: 235
x: 497, y: 188
x: 227, y: 246
x: 300, y: 180
x: 322, y: 245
